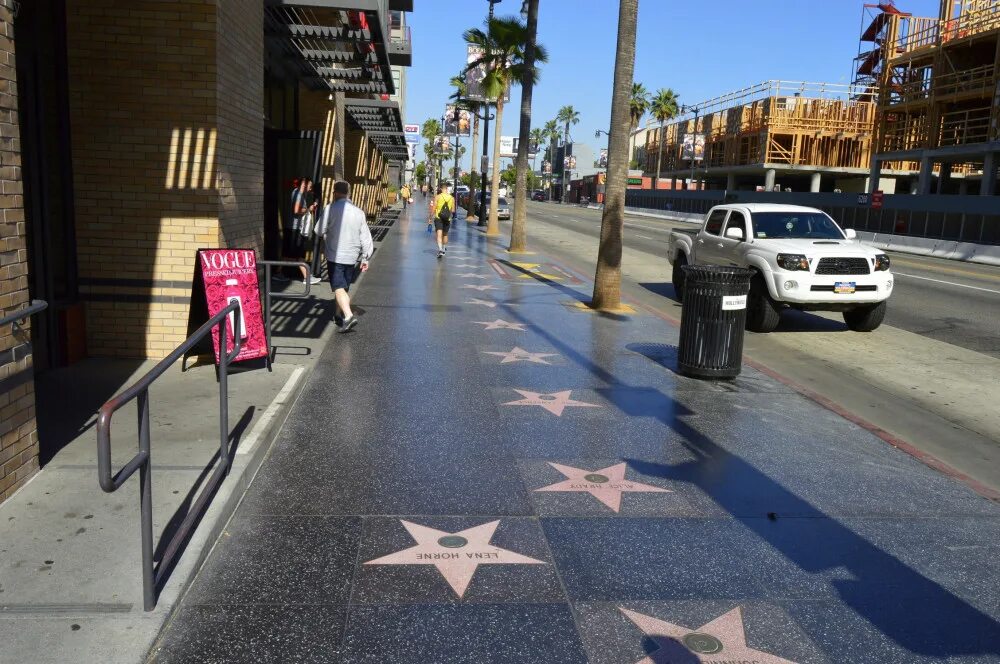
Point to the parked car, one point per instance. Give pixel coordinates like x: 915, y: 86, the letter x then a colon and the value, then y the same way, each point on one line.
x: 801, y: 259
x: 503, y: 208
x: 538, y: 195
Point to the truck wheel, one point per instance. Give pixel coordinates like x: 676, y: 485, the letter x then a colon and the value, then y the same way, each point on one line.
x: 763, y: 313
x: 865, y: 319
x: 677, y: 276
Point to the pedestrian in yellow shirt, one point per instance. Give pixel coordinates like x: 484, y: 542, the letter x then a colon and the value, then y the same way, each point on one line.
x: 444, y: 209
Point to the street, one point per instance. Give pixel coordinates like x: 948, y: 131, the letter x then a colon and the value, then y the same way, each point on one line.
x: 942, y: 313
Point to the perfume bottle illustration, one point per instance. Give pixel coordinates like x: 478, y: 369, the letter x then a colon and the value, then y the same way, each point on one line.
x: 233, y: 295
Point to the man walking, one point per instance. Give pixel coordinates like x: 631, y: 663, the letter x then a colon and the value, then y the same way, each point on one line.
x: 444, y: 209
x: 404, y: 193
x: 348, y: 244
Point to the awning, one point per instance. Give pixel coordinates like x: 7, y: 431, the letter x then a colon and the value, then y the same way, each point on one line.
x: 335, y: 45
x: 382, y: 123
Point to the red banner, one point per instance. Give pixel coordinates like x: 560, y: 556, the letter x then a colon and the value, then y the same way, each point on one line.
x: 228, y: 275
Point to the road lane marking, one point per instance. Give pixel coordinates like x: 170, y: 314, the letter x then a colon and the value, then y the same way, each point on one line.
x: 644, y: 237
x: 647, y: 228
x: 930, y: 267
x: 950, y: 283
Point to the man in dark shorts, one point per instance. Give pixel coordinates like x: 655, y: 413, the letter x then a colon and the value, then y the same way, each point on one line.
x: 348, y: 245
x: 444, y: 212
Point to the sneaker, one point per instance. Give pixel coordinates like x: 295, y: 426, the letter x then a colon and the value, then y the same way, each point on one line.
x: 349, y: 324
x: 440, y: 254
x: 312, y: 280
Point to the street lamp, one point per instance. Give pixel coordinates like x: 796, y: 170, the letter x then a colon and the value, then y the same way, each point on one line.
x: 694, y: 140
x: 486, y: 131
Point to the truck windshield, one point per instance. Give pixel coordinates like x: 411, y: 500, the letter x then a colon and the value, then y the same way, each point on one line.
x: 811, y: 225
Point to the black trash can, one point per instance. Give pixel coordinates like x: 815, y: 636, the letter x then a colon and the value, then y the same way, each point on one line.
x: 712, y: 321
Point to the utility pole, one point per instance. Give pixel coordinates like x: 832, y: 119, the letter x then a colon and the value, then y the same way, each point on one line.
x: 458, y: 137
x: 486, y: 136
x: 694, y: 136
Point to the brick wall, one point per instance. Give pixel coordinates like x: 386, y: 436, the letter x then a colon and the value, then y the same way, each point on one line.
x: 18, y: 434
x: 240, y: 149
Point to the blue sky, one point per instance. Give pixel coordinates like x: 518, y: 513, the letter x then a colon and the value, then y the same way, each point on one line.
x: 701, y: 49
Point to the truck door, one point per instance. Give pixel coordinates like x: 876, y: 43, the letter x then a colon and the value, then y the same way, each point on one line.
x: 729, y: 248
x: 708, y: 247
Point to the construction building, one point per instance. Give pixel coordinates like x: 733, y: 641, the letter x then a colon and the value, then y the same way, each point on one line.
x: 937, y: 81
x: 133, y: 134
x: 773, y: 135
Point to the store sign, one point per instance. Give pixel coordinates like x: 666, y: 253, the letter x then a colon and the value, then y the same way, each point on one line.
x: 412, y: 133
x: 231, y: 275
x: 634, y: 182
x: 877, y: 197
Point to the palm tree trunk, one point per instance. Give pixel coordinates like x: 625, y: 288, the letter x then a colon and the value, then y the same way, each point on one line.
x: 608, y: 277
x: 659, y: 155
x: 470, y: 206
x: 493, y: 225
x: 519, y: 225
x: 565, y: 177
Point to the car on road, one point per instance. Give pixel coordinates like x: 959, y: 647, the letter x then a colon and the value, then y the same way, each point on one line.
x: 801, y: 260
x: 538, y: 195
x: 503, y: 208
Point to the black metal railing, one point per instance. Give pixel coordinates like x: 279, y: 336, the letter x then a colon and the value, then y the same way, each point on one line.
x: 35, y: 307
x: 269, y: 294
x: 142, y: 461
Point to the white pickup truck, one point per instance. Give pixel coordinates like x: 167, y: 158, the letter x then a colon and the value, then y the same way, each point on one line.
x: 801, y: 257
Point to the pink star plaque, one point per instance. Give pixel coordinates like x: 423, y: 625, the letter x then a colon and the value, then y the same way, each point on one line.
x: 499, y: 324
x: 517, y: 354
x: 555, y: 403
x: 455, y: 555
x: 607, y: 484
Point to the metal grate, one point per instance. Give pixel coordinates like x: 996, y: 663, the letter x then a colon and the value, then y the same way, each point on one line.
x: 829, y: 289
x: 843, y: 265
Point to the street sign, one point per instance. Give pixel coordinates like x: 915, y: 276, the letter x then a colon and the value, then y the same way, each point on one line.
x: 862, y: 198
x: 877, y: 199
x: 412, y: 133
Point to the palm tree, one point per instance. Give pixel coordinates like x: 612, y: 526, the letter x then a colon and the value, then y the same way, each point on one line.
x: 608, y: 277
x: 567, y: 115
x: 551, y: 131
x: 533, y: 52
x: 664, y: 107
x: 638, y: 105
x: 503, y: 46
x: 536, y: 138
x: 473, y: 106
x: 430, y: 130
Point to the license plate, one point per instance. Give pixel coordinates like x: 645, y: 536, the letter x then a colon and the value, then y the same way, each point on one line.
x: 846, y: 287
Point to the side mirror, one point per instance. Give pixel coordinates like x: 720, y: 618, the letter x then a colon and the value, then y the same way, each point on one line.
x: 734, y: 233
x: 850, y: 234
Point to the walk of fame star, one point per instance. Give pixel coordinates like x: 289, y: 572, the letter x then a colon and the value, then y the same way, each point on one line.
x: 455, y: 555
x: 499, y: 324
x: 555, y: 403
x: 471, y: 275
x: 485, y: 303
x: 517, y: 354
x: 480, y: 288
x: 607, y: 484
x: 721, y: 640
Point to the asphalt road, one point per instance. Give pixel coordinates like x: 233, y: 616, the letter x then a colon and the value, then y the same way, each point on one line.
x: 958, y: 303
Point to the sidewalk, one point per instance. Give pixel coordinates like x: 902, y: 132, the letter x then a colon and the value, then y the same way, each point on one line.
x: 485, y: 472
x: 70, y: 570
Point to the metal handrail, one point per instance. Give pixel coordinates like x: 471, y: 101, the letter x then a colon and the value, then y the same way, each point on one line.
x: 286, y: 296
x: 111, y: 482
x: 35, y: 307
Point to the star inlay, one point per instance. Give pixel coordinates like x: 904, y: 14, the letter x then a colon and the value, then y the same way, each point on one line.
x: 455, y: 555
x: 517, y: 354
x: 480, y: 288
x: 499, y: 324
x: 555, y: 403
x: 472, y: 275
x: 721, y: 640
x: 485, y: 303
x: 606, y: 484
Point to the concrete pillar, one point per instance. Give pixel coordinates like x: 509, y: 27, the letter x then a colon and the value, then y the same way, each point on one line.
x: 988, y: 184
x: 873, y: 178
x: 944, y: 176
x: 769, y: 179
x: 731, y: 182
x: 815, y: 182
x: 924, y: 179
x: 963, y: 187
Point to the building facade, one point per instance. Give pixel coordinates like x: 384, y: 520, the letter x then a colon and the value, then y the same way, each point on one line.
x: 133, y: 134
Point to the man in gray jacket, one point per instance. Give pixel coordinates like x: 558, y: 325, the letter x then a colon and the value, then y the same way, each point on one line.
x: 348, y: 244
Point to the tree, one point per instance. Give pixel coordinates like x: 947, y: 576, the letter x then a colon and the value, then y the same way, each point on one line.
x: 638, y: 105
x: 664, y: 107
x: 551, y: 131
x: 537, y: 137
x: 430, y: 130
x: 608, y: 276
x: 533, y: 52
x: 420, y: 173
x: 509, y: 177
x: 503, y: 46
x: 567, y: 115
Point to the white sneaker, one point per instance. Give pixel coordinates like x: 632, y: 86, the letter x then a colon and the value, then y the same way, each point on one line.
x: 312, y: 280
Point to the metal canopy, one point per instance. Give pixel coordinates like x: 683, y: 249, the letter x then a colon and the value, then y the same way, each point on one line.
x: 332, y: 45
x: 382, y: 123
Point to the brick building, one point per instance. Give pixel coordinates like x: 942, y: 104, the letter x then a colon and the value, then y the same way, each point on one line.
x: 134, y: 132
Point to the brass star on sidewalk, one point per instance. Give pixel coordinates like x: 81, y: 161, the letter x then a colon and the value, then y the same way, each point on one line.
x: 480, y: 288
x: 721, y: 640
x: 607, y: 484
x: 517, y: 354
x: 555, y: 403
x: 485, y: 303
x: 455, y: 555
x: 499, y: 324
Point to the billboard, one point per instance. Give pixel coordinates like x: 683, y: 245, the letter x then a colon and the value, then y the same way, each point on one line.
x: 693, y: 147
x: 602, y: 161
x: 509, y: 144
x: 474, y: 76
x: 547, y: 167
x: 412, y: 133
x: 461, y: 127
x: 442, y: 145
x: 569, y: 162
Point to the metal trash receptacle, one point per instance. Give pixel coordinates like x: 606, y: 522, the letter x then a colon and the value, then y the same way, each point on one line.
x: 713, y: 316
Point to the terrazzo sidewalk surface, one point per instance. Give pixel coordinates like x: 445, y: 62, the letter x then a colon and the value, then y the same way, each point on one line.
x: 485, y: 472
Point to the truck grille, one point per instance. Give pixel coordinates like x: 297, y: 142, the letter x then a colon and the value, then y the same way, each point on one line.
x: 845, y: 265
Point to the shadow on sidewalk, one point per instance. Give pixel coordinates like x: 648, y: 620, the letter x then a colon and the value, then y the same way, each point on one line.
x: 924, y: 618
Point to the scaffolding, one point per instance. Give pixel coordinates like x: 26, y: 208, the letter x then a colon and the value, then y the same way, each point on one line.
x: 776, y: 122
x: 939, y: 84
